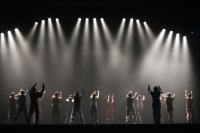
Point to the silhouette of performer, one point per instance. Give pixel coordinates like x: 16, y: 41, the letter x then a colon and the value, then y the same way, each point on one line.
x: 140, y: 107
x: 70, y: 101
x: 21, y: 104
x: 93, y: 106
x: 130, y: 107
x: 34, y: 96
x: 188, y: 105
x: 56, y: 99
x: 12, y: 108
x: 77, y: 107
x: 169, y: 105
x: 110, y: 108
x: 156, y: 105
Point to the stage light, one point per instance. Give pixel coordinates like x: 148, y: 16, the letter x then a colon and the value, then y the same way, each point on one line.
x: 32, y: 31
x: 131, y: 19
x: 36, y: 23
x: 61, y: 36
x: 16, y: 29
x: 57, y: 19
x: 94, y: 19
x: 43, y: 21
x: 75, y: 33
x: 149, y: 32
x: 106, y: 31
x: 120, y: 32
x: 96, y: 34
x: 87, y: 19
x: 49, y: 19
x: 129, y: 34
x: 141, y: 33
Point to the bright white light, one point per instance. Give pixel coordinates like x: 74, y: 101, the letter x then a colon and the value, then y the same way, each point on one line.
x: 149, y: 32
x: 106, y: 32
x: 137, y: 21
x: 119, y: 36
x: 123, y: 19
x: 141, y: 32
x: 94, y: 19
x: 56, y: 19
x: 144, y: 22
x: 131, y: 19
x: 101, y: 19
x: 16, y: 29
x: 86, y: 19
x: 36, y: 23
x: 2, y: 34
x: 43, y: 21
x: 49, y: 19
x: 9, y: 32
x: 79, y: 19
x: 74, y: 35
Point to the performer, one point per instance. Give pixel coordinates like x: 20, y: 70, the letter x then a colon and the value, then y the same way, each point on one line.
x: 156, y: 105
x: 77, y: 107
x: 12, y: 108
x: 93, y: 106
x: 130, y: 107
x: 110, y: 108
x: 188, y: 106
x: 21, y: 104
x: 34, y: 96
x: 56, y: 99
x: 140, y: 106
x: 70, y: 101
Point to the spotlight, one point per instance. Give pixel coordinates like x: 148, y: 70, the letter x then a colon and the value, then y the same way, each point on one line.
x: 145, y: 22
x: 36, y: 23
x: 101, y: 19
x: 171, y: 32
x: 79, y: 19
x: 49, y: 19
x: 43, y: 21
x: 56, y: 19
x: 86, y: 19
x: 184, y: 37
x: 137, y: 21
x: 94, y: 19
x: 9, y: 32
x: 16, y: 29
x: 163, y: 30
x: 2, y: 34
x: 131, y: 19
x: 123, y: 19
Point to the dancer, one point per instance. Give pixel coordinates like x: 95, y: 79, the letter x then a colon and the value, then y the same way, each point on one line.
x: 130, y: 107
x: 56, y: 99
x: 70, y: 101
x: 77, y: 107
x: 93, y: 106
x: 188, y: 105
x: 110, y: 108
x: 21, y: 104
x: 140, y: 106
x: 156, y: 105
x: 34, y: 96
x: 12, y: 108
x: 169, y: 105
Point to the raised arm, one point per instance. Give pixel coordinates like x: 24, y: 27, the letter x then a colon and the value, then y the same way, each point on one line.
x: 43, y: 86
x: 160, y: 89
x: 149, y: 90
x: 143, y: 97
x: 97, y: 95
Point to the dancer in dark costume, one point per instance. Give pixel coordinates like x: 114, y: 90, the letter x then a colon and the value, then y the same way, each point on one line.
x: 56, y: 99
x: 70, y: 101
x: 93, y: 107
x: 12, y: 108
x: 34, y: 96
x: 21, y: 104
x: 77, y: 107
x: 156, y: 105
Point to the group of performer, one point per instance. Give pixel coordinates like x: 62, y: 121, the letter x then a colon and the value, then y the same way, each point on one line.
x: 134, y: 106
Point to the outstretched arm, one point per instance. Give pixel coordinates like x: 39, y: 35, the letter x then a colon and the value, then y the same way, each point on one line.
x: 160, y: 89
x: 42, y: 88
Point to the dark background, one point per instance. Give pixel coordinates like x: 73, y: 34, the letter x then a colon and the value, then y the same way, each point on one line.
x: 182, y: 17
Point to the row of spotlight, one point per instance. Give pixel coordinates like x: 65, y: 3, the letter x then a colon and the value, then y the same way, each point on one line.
x: 87, y: 19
